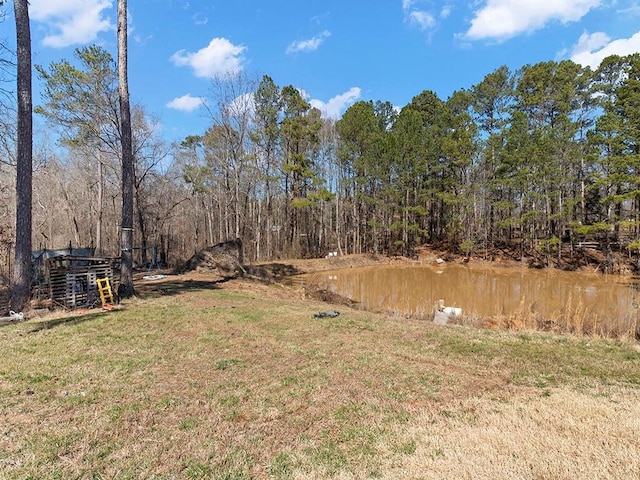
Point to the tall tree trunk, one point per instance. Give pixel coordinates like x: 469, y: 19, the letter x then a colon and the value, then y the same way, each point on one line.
x: 126, y: 276
x: 21, y: 290
x: 142, y: 227
x: 100, y: 205
x: 236, y: 199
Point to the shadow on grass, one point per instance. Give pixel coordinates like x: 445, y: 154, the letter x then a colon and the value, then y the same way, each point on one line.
x: 150, y: 290
x: 64, y: 321
x: 175, y: 287
x: 271, y: 271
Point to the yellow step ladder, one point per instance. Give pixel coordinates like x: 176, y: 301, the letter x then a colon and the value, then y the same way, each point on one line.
x: 106, y: 295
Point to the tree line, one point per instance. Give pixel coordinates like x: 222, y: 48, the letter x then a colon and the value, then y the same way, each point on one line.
x: 531, y: 159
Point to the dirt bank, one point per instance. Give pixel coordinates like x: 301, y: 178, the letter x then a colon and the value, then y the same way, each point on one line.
x: 586, y: 259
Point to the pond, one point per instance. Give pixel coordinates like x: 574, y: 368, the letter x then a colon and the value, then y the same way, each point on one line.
x: 547, y: 295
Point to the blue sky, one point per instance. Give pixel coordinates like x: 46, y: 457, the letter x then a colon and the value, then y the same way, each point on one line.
x: 336, y: 51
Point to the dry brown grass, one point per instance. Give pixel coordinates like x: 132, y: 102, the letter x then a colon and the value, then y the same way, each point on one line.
x: 573, y: 320
x: 238, y: 380
x: 524, y: 435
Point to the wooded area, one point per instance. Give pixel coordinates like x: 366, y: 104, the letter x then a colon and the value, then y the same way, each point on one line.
x: 532, y: 158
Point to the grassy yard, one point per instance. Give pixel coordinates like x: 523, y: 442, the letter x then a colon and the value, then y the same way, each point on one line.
x: 239, y: 380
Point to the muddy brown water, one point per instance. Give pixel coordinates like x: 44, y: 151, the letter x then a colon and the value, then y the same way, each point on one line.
x: 482, y: 292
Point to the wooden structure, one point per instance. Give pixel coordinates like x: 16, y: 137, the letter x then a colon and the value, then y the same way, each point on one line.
x: 73, y: 280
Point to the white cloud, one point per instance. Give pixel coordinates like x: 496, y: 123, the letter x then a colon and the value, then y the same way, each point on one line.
x: 186, y: 103
x: 591, y: 49
x: 218, y: 58
x: 420, y: 17
x: 406, y: 4
x: 71, y: 21
x: 242, y: 106
x: 415, y: 15
x: 503, y: 19
x: 199, y: 19
x: 334, y: 107
x: 633, y: 9
x: 309, y: 45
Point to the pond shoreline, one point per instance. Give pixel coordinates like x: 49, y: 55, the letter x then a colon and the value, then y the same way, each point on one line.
x: 583, y: 260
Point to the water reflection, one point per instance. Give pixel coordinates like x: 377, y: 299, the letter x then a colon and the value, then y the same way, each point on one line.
x: 415, y: 290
